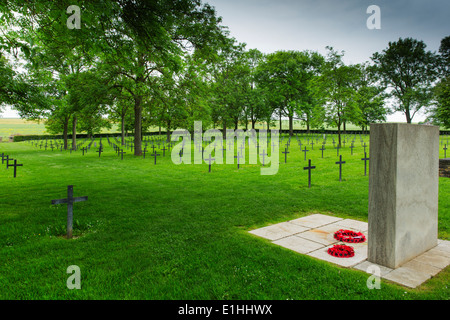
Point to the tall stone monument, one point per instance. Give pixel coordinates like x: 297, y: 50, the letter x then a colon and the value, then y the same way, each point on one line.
x: 403, y: 192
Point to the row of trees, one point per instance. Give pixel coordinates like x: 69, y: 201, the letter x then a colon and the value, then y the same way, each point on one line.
x: 168, y: 63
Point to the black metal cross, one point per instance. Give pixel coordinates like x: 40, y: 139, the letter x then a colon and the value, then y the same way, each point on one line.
x: 285, y: 154
x: 70, y: 201
x: 323, y: 148
x: 15, y: 165
x: 365, y: 163
x: 309, y: 168
x: 238, y: 157
x: 445, y: 151
x: 7, y: 161
x: 155, y: 155
x: 263, y: 154
x: 144, y: 151
x: 100, y: 150
x: 121, y: 152
x: 164, y: 151
x: 84, y: 149
x: 340, y: 162
x: 3, y: 157
x: 209, y: 160
x: 351, y: 147
x: 305, y: 152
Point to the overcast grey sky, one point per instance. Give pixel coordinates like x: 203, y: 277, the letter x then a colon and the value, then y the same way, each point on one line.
x: 271, y: 25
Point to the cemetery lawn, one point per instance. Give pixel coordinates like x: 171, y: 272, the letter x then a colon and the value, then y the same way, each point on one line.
x: 169, y: 231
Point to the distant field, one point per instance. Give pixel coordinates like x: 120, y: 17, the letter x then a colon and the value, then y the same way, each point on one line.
x: 24, y: 127
x: 20, y: 126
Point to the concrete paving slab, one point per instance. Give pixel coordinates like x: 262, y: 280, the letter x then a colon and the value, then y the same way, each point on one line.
x: 279, y: 230
x: 323, y: 235
x: 407, y: 277
x: 355, y: 225
x: 315, y: 220
x: 298, y: 244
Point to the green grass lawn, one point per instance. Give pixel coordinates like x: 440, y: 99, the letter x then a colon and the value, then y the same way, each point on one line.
x: 169, y: 231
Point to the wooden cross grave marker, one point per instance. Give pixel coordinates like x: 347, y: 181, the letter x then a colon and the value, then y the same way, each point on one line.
x: 340, y: 162
x: 309, y: 168
x: 285, y: 154
x: 365, y: 163
x: 70, y: 200
x: 15, y: 165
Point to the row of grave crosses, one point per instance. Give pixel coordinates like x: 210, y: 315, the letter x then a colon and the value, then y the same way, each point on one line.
x: 7, y: 159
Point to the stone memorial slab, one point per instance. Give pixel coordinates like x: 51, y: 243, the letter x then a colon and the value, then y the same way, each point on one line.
x: 403, y: 192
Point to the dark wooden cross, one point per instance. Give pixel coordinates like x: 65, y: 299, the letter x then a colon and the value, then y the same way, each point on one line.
x: 263, y: 154
x: 364, y: 147
x: 121, y: 152
x: 209, y: 160
x: 273, y: 145
x: 84, y: 149
x: 155, y: 155
x: 164, y: 151
x: 3, y: 157
x: 337, y: 148
x: 340, y: 162
x: 15, y: 165
x: 304, y: 150
x: 285, y: 154
x: 312, y: 144
x: 70, y: 200
x: 144, y: 151
x: 365, y: 163
x: 100, y: 150
x: 351, y: 148
x: 445, y: 151
x: 7, y: 161
x: 323, y: 148
x: 238, y: 156
x: 309, y: 168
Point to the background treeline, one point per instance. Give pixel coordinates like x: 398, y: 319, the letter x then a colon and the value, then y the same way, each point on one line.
x: 143, y: 64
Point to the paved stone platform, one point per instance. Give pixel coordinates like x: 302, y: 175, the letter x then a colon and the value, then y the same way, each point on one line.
x: 313, y: 235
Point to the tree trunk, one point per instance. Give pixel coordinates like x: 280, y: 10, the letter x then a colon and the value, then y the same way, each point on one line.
x: 74, y: 133
x: 291, y: 125
x: 65, y: 131
x: 408, y: 116
x: 307, y: 122
x: 122, y: 128
x: 168, y: 131
x: 224, y: 133
x: 280, y: 122
x: 137, y: 126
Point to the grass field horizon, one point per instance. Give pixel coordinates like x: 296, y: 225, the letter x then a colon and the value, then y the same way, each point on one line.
x: 169, y: 231
x: 9, y: 126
